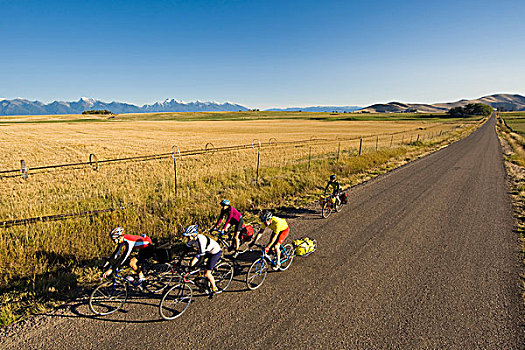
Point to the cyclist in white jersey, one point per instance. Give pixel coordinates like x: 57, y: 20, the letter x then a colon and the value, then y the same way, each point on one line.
x: 206, y: 248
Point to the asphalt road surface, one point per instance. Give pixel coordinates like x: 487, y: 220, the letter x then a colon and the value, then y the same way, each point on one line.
x: 422, y: 258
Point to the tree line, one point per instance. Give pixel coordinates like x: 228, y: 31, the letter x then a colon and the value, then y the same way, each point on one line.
x: 471, y: 109
x: 97, y: 111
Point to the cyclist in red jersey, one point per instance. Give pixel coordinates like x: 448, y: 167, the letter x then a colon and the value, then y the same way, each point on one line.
x: 126, y: 244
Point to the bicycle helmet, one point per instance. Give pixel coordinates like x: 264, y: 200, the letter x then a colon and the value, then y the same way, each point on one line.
x: 116, y: 232
x: 225, y: 202
x: 265, y: 216
x: 332, y: 177
x: 192, y: 230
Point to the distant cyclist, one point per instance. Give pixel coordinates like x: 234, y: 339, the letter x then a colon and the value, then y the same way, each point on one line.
x: 280, y: 232
x: 126, y: 244
x: 207, y: 248
x: 336, y: 188
x: 232, y: 218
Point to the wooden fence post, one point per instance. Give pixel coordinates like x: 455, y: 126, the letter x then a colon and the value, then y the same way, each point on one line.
x: 309, y: 157
x: 258, y: 158
x: 175, y: 164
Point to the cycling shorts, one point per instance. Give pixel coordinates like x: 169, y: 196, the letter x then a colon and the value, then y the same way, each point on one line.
x: 213, y: 259
x: 238, y: 226
x: 282, y: 235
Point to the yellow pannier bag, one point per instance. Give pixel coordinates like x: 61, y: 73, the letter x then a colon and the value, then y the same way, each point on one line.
x: 304, y: 246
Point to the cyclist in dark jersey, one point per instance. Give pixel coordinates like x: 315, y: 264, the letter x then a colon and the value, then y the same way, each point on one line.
x: 232, y: 217
x: 126, y: 245
x: 336, y: 188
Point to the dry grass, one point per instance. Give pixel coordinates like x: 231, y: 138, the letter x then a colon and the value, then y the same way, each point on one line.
x: 45, y: 261
x: 515, y: 140
x: 514, y: 151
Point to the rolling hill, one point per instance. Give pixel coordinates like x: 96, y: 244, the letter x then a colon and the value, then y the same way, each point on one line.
x: 507, y: 102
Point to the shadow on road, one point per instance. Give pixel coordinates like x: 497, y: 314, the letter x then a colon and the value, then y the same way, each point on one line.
x: 81, y: 309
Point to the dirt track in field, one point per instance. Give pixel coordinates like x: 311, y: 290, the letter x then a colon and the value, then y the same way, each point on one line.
x: 422, y: 258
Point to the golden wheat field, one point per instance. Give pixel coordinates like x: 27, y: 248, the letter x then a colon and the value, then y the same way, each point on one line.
x: 144, y: 191
x: 51, y: 143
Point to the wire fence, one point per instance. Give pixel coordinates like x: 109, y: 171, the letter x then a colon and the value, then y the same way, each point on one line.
x: 94, y: 163
x: 298, y: 151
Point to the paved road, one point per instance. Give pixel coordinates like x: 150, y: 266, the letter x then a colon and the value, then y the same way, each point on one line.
x: 422, y: 258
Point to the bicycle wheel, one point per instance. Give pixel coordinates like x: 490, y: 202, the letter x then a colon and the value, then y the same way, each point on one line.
x: 159, y: 277
x: 223, y: 274
x: 257, y: 274
x: 108, y: 297
x: 287, y: 257
x: 175, y: 301
x: 326, y: 210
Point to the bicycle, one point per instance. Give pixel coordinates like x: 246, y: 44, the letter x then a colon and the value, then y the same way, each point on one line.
x: 259, y: 268
x: 330, y: 203
x: 177, y: 298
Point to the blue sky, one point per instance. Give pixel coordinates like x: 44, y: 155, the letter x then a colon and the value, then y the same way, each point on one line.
x: 262, y: 53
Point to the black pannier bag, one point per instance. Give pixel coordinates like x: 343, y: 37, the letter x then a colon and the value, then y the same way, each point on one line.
x: 164, y: 253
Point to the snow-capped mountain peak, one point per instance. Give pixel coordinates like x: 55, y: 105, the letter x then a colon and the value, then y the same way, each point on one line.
x: 21, y: 106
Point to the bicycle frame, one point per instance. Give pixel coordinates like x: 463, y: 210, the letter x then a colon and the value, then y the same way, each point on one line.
x: 193, y: 280
x: 273, y: 261
x: 201, y: 282
x: 116, y: 277
x: 329, y: 200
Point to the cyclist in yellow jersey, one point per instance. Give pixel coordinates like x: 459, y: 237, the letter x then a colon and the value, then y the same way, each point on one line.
x: 280, y: 232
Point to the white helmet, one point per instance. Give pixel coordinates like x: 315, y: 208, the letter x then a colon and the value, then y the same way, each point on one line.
x: 192, y: 230
x: 116, y: 232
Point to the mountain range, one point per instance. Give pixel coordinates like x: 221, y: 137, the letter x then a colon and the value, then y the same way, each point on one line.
x: 337, y: 109
x: 21, y: 106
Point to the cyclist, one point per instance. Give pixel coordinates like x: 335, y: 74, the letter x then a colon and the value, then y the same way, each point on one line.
x: 336, y: 188
x: 126, y: 243
x: 206, y: 248
x: 233, y: 218
x: 280, y: 232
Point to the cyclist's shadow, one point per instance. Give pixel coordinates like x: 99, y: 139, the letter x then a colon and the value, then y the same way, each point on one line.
x: 81, y: 309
